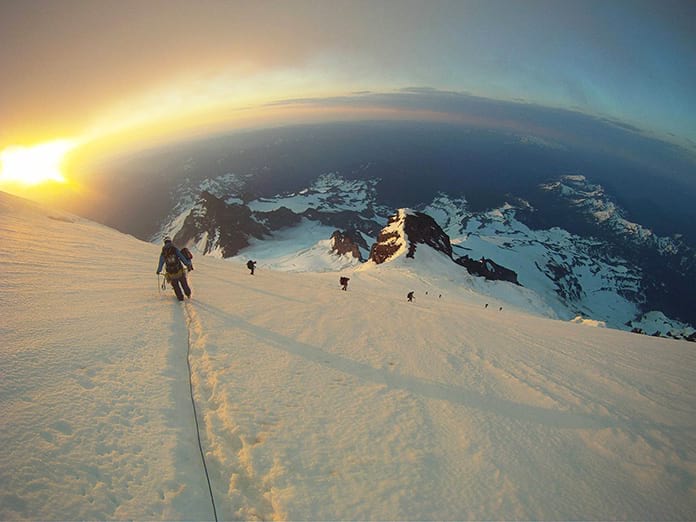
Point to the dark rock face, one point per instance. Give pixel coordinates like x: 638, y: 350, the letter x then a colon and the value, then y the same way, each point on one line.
x: 488, y: 269
x: 228, y: 226
x: 388, y: 243
x: 346, y: 243
x: 277, y: 219
x: 421, y: 228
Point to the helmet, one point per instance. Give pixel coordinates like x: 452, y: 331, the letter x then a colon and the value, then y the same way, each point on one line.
x: 167, y: 239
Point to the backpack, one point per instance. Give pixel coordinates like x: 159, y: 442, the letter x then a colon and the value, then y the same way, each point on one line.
x: 171, y: 260
x: 187, y: 253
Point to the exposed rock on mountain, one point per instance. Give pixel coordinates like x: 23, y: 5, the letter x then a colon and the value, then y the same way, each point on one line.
x: 488, y: 269
x: 346, y: 243
x: 279, y: 218
x: 217, y: 227
x: 404, y: 231
x: 408, y: 229
x: 421, y: 228
x: 388, y: 243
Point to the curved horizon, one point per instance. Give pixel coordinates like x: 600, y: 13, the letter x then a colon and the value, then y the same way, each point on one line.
x: 94, y: 72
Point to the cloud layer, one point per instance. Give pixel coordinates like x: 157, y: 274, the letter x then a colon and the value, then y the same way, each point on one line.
x: 79, y: 67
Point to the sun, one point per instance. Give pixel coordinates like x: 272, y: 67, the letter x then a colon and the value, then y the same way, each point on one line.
x: 33, y: 165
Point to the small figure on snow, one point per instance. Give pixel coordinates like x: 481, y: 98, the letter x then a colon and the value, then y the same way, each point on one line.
x: 174, y: 261
x: 344, y: 282
x: 409, y: 296
x: 251, y: 265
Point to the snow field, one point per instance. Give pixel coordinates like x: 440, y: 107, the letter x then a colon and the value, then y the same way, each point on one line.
x: 318, y: 404
x: 90, y: 378
x: 345, y: 418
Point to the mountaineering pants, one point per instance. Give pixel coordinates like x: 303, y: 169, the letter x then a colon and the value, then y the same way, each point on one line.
x: 178, y: 284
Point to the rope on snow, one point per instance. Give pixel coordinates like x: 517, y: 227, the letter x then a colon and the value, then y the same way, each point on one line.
x: 195, y: 414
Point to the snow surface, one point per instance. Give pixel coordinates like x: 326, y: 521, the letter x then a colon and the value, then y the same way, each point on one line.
x: 302, y: 248
x: 319, y: 404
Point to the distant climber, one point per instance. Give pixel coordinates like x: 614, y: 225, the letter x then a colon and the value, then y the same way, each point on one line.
x: 344, y: 282
x: 174, y: 261
x: 251, y: 265
x: 409, y: 296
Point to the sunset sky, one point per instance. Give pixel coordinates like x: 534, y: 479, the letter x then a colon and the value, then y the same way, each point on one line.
x: 129, y: 71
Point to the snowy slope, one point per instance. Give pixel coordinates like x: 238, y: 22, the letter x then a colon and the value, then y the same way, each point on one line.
x: 318, y: 404
x: 94, y: 422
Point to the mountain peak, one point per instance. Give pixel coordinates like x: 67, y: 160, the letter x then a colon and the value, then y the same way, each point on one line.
x: 404, y: 232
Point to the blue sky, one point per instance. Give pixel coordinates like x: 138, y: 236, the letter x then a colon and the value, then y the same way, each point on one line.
x: 90, y: 70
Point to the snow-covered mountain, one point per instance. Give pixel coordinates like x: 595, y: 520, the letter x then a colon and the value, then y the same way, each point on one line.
x: 316, y: 404
x: 574, y: 275
x: 593, y: 201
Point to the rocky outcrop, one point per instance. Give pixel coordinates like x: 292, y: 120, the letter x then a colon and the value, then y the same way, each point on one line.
x: 346, y: 243
x: 404, y: 231
x: 407, y: 229
x: 279, y: 218
x: 390, y: 239
x: 488, y: 269
x: 421, y: 228
x: 386, y: 246
x: 214, y: 225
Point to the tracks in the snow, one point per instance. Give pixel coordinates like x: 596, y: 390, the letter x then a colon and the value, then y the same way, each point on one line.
x: 229, y: 469
x: 189, y: 313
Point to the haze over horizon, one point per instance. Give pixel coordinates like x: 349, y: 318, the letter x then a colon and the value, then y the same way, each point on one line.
x: 140, y: 71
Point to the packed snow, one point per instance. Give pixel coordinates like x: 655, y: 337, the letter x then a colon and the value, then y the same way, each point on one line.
x: 319, y: 404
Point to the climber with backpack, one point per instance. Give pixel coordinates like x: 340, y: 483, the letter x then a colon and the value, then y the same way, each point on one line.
x: 174, y: 261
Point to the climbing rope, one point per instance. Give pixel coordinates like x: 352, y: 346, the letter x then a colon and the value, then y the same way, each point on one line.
x: 195, y: 414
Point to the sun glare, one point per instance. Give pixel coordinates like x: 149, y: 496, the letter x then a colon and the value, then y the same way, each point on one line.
x: 31, y: 166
